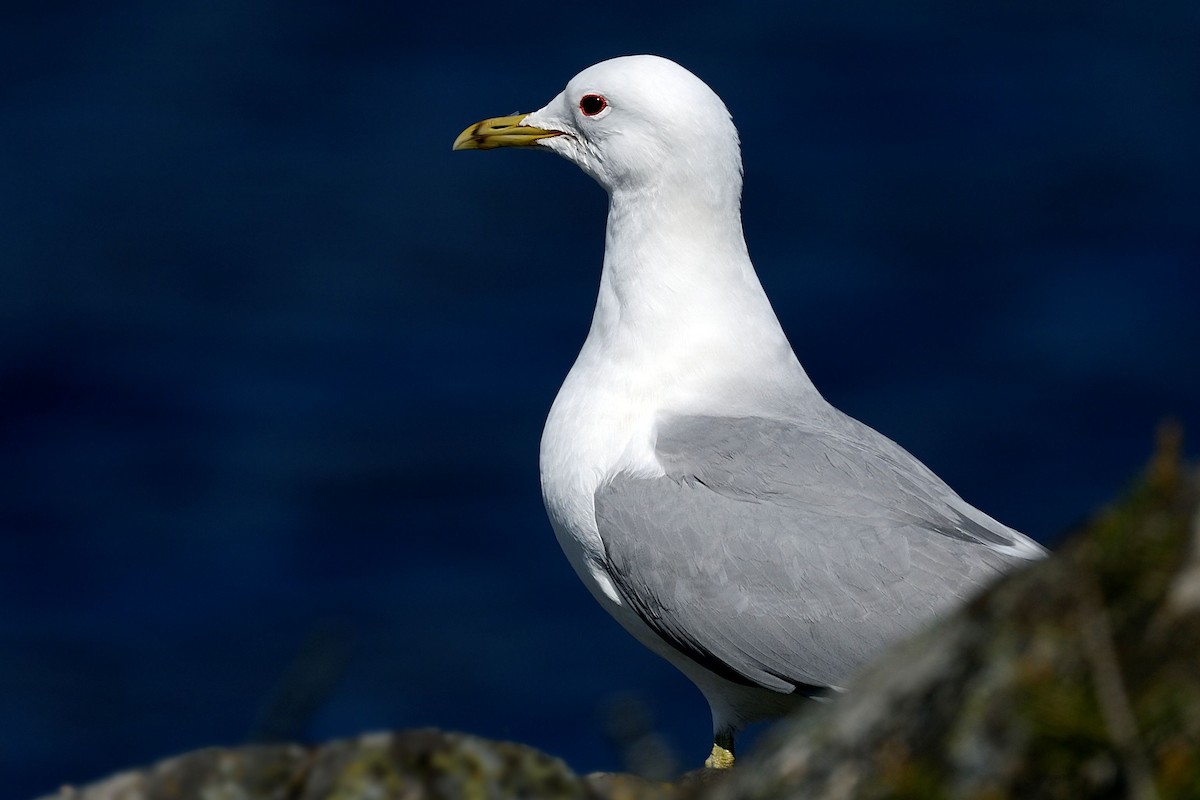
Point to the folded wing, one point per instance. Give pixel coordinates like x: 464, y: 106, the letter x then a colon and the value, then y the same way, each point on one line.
x: 787, y: 556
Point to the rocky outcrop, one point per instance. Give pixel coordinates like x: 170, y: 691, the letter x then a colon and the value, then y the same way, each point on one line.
x: 413, y: 765
x: 1076, y: 677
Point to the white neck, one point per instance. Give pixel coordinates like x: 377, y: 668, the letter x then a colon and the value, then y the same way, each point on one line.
x: 681, y: 325
x: 680, y: 309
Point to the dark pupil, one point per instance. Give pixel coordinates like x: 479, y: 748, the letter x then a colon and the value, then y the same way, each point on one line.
x: 592, y: 104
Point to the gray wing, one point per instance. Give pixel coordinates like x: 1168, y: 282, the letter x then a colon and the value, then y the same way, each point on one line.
x: 786, y: 557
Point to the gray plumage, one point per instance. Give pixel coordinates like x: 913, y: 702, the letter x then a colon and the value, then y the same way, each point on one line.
x: 785, y: 556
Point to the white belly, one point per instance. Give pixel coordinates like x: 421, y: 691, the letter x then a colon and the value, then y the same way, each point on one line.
x: 570, y: 443
x: 591, y: 433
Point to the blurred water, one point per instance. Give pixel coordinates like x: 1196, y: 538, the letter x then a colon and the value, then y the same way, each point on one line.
x: 273, y: 361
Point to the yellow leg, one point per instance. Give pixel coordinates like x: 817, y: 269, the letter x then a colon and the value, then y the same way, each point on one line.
x: 721, y: 758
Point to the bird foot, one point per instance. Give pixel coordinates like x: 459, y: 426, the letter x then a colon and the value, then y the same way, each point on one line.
x: 720, y: 758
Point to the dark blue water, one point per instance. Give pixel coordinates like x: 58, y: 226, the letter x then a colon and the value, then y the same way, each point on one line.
x: 274, y: 361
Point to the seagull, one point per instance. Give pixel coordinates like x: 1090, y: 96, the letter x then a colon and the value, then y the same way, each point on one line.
x: 729, y: 518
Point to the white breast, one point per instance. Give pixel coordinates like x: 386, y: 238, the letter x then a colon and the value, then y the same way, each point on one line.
x: 597, y: 427
x: 626, y: 376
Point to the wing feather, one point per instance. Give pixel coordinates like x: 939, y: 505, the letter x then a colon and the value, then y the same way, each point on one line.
x: 786, y: 557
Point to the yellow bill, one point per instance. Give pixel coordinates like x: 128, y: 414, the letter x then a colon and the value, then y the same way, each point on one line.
x: 500, y: 132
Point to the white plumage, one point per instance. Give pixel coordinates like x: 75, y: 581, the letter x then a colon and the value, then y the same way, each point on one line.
x: 703, y: 490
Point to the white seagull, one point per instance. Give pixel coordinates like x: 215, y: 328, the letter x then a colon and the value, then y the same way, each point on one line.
x: 712, y: 501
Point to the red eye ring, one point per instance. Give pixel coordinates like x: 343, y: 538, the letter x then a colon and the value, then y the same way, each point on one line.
x: 592, y: 104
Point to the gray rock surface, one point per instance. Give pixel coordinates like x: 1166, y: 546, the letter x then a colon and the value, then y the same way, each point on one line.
x: 413, y: 765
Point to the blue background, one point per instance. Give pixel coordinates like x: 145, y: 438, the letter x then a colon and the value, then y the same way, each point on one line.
x: 274, y: 361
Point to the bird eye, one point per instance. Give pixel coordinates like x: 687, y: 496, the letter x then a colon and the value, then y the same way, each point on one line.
x: 592, y: 104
